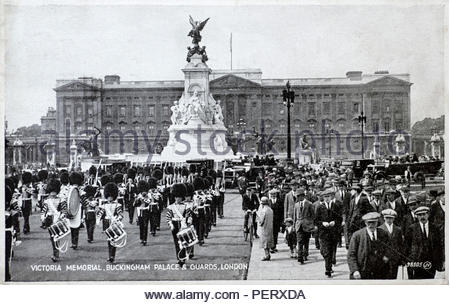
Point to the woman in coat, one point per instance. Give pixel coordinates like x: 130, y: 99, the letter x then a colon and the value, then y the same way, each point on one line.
x: 265, y: 220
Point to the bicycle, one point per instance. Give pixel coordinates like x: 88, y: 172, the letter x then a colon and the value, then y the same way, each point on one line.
x: 249, y: 226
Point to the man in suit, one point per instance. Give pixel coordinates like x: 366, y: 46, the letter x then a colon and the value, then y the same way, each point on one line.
x: 289, y: 201
x: 359, y: 206
x: 343, y: 196
x: 367, y: 253
x: 423, y: 247
x: 304, y: 224
x: 250, y: 202
x: 277, y: 207
x: 328, y: 220
x: 437, y: 216
x: 396, y: 246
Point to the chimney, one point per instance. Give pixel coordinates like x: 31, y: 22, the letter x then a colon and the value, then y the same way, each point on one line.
x: 354, y: 75
x: 112, y: 79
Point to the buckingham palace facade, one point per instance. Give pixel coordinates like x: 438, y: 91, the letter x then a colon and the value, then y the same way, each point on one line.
x: 135, y: 115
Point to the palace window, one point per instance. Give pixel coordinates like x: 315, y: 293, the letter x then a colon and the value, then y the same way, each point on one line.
x: 375, y: 107
x: 355, y: 107
x: 123, y: 126
x: 90, y: 111
x: 387, y: 126
x: 398, y: 125
x: 122, y: 111
x: 375, y: 126
x: 165, y: 110
x: 311, y: 108
x: 68, y: 110
x: 151, y: 110
x: 326, y: 107
x: 137, y: 111
x: 341, y: 108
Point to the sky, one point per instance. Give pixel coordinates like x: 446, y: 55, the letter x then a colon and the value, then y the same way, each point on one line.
x: 49, y: 42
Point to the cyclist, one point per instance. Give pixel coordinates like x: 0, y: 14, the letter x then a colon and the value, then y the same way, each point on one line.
x: 250, y: 202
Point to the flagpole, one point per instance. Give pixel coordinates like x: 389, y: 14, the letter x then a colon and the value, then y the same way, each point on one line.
x: 231, y: 51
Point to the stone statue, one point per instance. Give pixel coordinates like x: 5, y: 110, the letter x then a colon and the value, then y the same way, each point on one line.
x: 218, y: 143
x: 197, y: 27
x: 175, y: 118
x: 218, y: 115
x: 304, y: 144
x: 94, y: 143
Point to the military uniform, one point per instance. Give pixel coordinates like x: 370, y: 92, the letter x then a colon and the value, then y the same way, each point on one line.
x: 178, y: 216
x: 108, y: 212
x: 53, y: 210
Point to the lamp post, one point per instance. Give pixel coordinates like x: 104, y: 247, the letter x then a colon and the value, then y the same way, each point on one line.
x: 288, y: 100
x: 329, y: 132
x: 362, y: 120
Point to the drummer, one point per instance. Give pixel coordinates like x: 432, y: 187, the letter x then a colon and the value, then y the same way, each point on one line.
x: 76, y: 180
x: 54, y: 209
x: 191, y: 208
x: 178, y: 217
x: 108, y: 212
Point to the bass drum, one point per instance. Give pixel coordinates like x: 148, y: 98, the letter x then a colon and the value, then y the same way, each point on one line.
x: 74, y: 207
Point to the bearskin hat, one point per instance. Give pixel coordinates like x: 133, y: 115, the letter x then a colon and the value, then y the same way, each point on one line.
x: 198, y: 184
x: 189, y: 189
x: 53, y: 185
x: 105, y: 179
x: 193, y: 168
x: 178, y: 190
x: 118, y: 178
x: 157, y: 174
x: 64, y: 177
x: 8, y: 194
x: 35, y: 179
x: 210, y: 180
x: 207, y: 182
x: 92, y: 170
x: 131, y: 173
x: 147, y: 171
x: 90, y: 190
x: 152, y: 183
x: 184, y: 172
x: 76, y: 178
x: 212, y: 173
x: 111, y: 190
x: 26, y: 177
x: 168, y: 170
x: 43, y: 175
x: 142, y: 186
x: 10, y: 183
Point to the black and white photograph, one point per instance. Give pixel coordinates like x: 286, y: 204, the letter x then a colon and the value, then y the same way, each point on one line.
x: 225, y: 142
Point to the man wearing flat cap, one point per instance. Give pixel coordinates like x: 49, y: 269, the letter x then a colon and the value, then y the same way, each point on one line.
x: 304, y: 224
x: 389, y: 202
x: 328, y: 220
x: 423, y: 247
x: 289, y: 200
x: 396, y: 249
x: 367, y: 254
x: 437, y: 215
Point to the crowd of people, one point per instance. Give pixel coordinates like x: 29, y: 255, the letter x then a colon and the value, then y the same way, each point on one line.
x: 193, y: 198
x: 382, y: 225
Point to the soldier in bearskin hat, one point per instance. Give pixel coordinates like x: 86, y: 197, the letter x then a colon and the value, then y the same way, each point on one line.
x: 156, y: 205
x: 158, y: 175
x: 90, y: 204
x: 110, y: 211
x: 53, y: 210
x: 43, y: 176
x: 178, y: 217
x: 142, y: 205
x: 191, y: 207
x: 130, y: 193
x: 118, y: 179
x: 92, y: 175
x: 27, y: 191
x: 199, y: 209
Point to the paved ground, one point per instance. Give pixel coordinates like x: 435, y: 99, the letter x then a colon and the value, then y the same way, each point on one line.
x: 224, y: 249
x: 225, y: 256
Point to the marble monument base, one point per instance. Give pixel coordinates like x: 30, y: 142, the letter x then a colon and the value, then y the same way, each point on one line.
x: 196, y: 140
x: 305, y: 156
